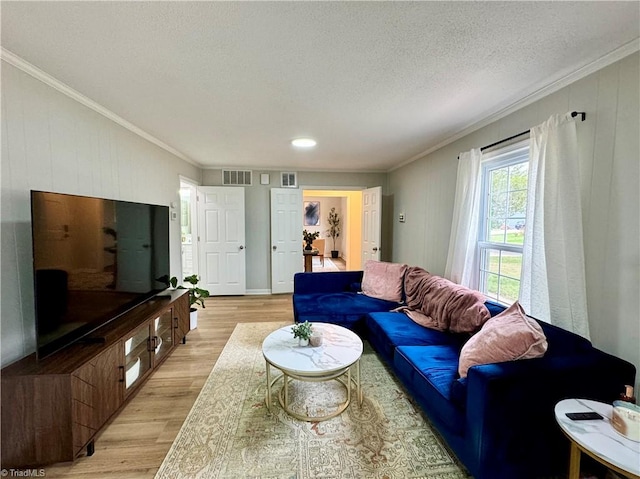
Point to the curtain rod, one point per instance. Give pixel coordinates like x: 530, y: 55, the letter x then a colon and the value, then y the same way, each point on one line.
x: 582, y: 114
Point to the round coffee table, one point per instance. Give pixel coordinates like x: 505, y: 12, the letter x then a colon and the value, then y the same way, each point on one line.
x: 597, y: 438
x: 332, y: 360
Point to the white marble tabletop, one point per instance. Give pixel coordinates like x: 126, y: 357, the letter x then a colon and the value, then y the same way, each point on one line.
x: 340, y: 349
x: 597, y: 436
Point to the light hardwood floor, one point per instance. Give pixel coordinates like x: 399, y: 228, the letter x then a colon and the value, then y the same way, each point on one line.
x: 134, y: 444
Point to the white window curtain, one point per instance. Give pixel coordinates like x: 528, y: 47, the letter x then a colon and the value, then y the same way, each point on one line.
x: 553, y: 287
x: 462, y: 258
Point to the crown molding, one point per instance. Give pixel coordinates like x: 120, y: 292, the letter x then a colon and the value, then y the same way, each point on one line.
x: 292, y: 169
x: 602, y: 62
x: 21, y: 64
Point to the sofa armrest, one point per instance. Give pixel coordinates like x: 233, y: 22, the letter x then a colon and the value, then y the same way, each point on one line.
x: 510, y: 406
x: 325, y: 282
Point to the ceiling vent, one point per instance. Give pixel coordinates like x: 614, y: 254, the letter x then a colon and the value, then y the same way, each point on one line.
x: 236, y: 177
x: 289, y: 179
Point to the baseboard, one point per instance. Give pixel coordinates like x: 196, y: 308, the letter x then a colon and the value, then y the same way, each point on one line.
x: 256, y: 292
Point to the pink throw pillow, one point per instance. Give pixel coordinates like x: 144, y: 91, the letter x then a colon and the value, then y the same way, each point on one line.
x: 383, y: 280
x: 508, y: 336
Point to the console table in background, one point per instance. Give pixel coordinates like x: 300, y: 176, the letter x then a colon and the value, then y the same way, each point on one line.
x: 308, y: 260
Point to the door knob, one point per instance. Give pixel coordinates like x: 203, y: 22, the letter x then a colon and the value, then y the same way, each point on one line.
x: 274, y: 247
x: 241, y: 247
x: 375, y: 249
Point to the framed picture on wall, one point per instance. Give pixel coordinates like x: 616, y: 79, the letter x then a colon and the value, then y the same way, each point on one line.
x: 312, y: 213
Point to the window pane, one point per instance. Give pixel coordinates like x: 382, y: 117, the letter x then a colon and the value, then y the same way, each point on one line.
x: 509, y: 290
x: 515, y: 237
x: 498, y: 235
x: 498, y: 205
x: 517, y: 204
x: 494, y: 232
x: 499, y: 180
x: 511, y: 264
x: 494, y: 261
x: 518, y: 176
x: 491, y: 285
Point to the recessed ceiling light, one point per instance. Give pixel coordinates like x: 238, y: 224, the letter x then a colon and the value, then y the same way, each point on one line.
x: 304, y: 142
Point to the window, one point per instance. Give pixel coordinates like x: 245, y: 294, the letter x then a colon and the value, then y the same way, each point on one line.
x: 503, y: 220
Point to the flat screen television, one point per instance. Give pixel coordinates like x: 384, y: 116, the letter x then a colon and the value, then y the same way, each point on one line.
x: 93, y: 260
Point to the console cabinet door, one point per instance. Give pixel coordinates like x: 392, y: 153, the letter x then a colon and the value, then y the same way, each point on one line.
x: 181, y: 317
x: 109, y: 383
x: 96, y: 393
x: 162, y: 338
x: 137, y: 357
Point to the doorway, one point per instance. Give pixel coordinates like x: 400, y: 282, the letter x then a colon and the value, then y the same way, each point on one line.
x: 348, y: 205
x: 188, y: 227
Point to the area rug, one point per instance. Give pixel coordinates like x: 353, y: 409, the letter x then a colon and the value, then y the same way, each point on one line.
x: 327, y: 266
x: 230, y: 434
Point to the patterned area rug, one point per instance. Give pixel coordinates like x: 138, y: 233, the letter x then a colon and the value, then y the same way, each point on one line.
x: 328, y: 265
x: 229, y: 433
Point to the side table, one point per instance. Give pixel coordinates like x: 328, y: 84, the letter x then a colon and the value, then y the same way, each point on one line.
x: 597, y: 439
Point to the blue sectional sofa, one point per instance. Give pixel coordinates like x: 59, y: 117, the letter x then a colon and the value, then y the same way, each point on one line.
x: 498, y: 420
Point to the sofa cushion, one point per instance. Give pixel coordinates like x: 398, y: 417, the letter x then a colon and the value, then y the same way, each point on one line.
x: 508, y: 336
x: 383, y: 280
x: 459, y: 392
x: 344, y: 309
x: 387, y: 331
x: 431, y: 371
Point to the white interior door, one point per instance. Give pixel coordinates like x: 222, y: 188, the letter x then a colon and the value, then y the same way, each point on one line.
x: 286, y: 238
x: 221, y: 240
x: 371, y: 224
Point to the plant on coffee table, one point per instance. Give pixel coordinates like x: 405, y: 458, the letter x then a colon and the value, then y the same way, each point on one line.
x: 302, y: 331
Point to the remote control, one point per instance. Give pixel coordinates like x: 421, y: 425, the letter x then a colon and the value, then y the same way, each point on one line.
x: 583, y: 416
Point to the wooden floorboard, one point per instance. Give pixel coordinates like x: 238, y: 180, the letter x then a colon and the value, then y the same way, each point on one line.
x: 134, y: 444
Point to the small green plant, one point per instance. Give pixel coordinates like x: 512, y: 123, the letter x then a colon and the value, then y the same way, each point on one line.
x: 196, y: 295
x: 302, y: 330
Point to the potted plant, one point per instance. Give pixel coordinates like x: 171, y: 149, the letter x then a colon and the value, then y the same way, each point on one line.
x: 308, y: 238
x: 303, y: 332
x: 334, y: 230
x: 196, y: 296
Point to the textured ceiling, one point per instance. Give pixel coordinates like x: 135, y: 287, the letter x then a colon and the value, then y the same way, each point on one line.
x: 375, y: 83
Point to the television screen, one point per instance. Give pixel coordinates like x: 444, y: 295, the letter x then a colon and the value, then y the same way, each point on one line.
x: 93, y: 260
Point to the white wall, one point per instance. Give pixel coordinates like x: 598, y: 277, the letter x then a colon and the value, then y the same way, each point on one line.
x: 257, y: 207
x: 610, y: 178
x: 53, y: 143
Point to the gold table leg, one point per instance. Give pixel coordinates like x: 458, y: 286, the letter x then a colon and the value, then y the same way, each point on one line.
x: 268, y: 398
x: 574, y: 462
x: 359, y: 383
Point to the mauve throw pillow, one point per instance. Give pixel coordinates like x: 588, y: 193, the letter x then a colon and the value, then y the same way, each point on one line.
x: 383, y: 280
x: 508, y: 336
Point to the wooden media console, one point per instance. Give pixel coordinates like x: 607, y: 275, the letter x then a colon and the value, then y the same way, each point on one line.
x: 54, y: 408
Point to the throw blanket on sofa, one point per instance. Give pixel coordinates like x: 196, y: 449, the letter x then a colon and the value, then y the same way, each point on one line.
x: 440, y: 304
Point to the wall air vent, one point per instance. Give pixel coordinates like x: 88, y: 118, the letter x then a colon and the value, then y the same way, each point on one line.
x: 289, y: 179
x: 236, y: 177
